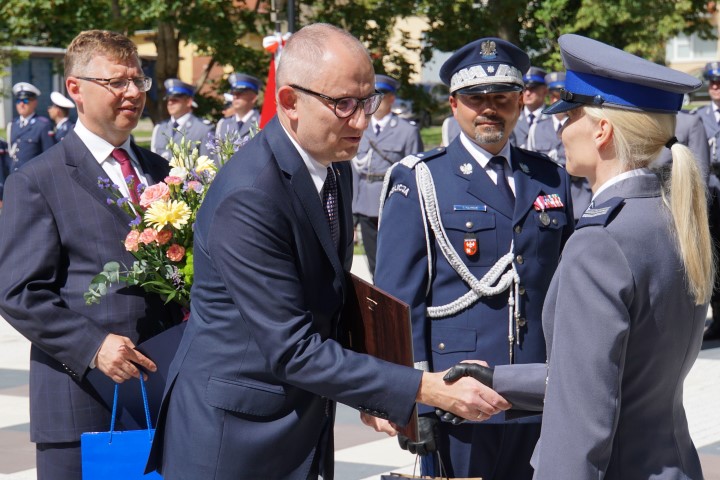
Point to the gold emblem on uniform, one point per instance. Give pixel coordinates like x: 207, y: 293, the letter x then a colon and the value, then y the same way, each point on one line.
x: 488, y: 49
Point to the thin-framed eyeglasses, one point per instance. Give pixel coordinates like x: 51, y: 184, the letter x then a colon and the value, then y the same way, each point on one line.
x: 345, y: 107
x: 121, y: 84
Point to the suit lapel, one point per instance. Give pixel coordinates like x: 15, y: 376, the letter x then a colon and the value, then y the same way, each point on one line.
x: 154, y: 171
x: 85, y: 170
x: 292, y: 163
x: 526, y: 187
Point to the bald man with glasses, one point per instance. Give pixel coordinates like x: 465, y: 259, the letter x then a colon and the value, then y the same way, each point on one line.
x: 56, y: 233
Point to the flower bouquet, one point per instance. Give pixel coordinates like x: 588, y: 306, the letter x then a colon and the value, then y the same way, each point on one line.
x: 161, y: 235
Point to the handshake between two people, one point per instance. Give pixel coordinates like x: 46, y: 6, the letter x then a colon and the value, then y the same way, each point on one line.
x: 464, y: 392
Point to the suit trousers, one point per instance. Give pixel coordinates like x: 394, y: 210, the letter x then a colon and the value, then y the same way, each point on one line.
x: 369, y: 231
x: 58, y: 461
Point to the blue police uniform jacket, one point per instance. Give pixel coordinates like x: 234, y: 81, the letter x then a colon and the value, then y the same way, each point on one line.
x: 519, y: 135
x: 194, y: 129
x: 469, y: 203
x: 712, y: 131
x: 229, y: 125
x: 4, y: 165
x: 63, y: 129
x: 396, y: 141
x: 622, y: 334
x: 29, y: 141
x: 547, y: 141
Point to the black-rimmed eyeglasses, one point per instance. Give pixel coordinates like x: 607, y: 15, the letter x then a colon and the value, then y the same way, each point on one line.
x: 345, y: 107
x: 121, y: 84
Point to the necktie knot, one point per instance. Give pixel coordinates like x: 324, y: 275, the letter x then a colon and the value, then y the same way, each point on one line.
x: 240, y: 124
x: 128, y: 172
x: 531, y: 118
x: 175, y: 125
x: 330, y: 205
x: 377, y: 129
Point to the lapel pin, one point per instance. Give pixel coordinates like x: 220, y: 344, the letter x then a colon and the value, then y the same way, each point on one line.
x: 466, y: 168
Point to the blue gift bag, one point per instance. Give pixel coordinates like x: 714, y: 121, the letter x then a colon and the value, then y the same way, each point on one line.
x: 118, y: 455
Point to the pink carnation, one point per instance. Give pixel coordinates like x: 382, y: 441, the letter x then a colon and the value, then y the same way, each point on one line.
x: 175, y: 252
x: 163, y: 236
x: 195, y: 186
x: 173, y: 180
x: 131, y: 241
x: 153, y: 193
x: 148, y: 236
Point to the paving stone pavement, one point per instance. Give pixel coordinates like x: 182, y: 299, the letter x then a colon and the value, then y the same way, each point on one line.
x: 361, y: 453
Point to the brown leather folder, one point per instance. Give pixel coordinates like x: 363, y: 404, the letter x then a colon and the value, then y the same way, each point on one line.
x: 378, y: 324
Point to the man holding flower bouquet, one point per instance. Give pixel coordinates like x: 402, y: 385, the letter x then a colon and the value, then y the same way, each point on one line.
x: 56, y: 232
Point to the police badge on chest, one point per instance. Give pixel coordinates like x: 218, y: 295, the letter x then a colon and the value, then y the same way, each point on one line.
x: 470, y: 244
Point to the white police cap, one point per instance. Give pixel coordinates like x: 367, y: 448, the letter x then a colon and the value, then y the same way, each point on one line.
x: 25, y: 90
x: 600, y: 75
x: 61, y: 100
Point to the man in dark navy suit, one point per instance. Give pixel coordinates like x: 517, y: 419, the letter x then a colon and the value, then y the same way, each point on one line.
x: 251, y: 392
x: 470, y: 236
x: 29, y: 134
x: 56, y: 233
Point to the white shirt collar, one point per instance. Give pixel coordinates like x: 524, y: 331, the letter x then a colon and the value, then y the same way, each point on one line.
x: 482, y: 156
x: 538, y: 112
x: 57, y: 125
x: 182, y: 120
x: 382, y: 122
x: 618, y: 178
x: 100, y: 148
x: 557, y: 122
x: 26, y: 120
x: 245, y: 117
x: 318, y: 171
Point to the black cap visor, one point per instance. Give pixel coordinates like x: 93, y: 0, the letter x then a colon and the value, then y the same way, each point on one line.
x: 490, y: 88
x: 569, y: 101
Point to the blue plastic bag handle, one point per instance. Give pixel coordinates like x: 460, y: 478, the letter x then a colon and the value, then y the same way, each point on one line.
x: 145, y: 405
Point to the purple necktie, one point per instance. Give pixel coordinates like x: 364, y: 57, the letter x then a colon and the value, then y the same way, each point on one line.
x: 127, y: 170
x: 330, y: 205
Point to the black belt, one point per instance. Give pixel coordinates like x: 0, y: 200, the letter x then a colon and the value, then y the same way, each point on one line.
x: 370, y: 177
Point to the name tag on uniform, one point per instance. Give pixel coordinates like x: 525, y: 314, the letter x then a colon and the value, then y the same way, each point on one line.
x: 470, y: 208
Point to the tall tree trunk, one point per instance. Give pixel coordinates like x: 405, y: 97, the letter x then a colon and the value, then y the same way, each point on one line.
x: 167, y: 43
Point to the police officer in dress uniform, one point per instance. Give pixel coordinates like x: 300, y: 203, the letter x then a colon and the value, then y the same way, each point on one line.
x: 465, y: 232
x: 29, y: 134
x: 245, y: 119
x: 4, y: 166
x: 547, y: 141
x: 387, y: 140
x: 534, y: 100
x: 710, y: 116
x: 625, y: 312
x: 59, y: 113
x: 182, y: 123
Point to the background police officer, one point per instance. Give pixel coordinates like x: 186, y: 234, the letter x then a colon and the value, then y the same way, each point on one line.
x: 4, y: 166
x: 533, y: 100
x: 59, y: 112
x: 245, y: 119
x: 547, y: 141
x: 710, y: 116
x: 29, y: 134
x: 472, y: 211
x: 387, y: 140
x: 182, y: 122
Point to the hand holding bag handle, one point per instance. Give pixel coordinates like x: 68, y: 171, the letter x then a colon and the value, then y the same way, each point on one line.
x: 120, y: 455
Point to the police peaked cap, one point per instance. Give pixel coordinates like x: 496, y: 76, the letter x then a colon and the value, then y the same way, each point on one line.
x: 487, y: 65
x: 534, y: 76
x: 240, y: 81
x: 25, y: 90
x: 386, y: 84
x: 601, y: 75
x: 174, y: 86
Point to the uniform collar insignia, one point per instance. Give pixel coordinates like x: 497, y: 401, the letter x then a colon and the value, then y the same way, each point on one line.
x: 466, y: 168
x: 524, y: 168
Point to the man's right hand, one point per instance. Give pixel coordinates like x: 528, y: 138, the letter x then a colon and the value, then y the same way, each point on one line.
x: 117, y: 358
x: 466, y: 397
x: 427, y: 438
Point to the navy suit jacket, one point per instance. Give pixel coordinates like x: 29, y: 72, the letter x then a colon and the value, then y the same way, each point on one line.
x: 56, y: 233
x: 250, y: 390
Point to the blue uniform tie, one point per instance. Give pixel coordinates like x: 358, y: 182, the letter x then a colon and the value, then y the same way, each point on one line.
x: 498, y: 164
x: 330, y: 205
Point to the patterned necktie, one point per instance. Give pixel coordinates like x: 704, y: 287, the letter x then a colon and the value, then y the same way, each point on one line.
x: 377, y: 129
x: 122, y: 157
x: 330, y: 205
x: 531, y: 119
x: 499, y: 165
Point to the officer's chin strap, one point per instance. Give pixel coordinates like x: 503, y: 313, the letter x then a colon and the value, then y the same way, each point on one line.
x: 501, y: 276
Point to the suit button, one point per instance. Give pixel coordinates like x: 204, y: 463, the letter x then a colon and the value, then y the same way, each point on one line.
x: 519, y: 259
x: 521, y: 290
x: 468, y: 224
x: 441, y: 346
x: 522, y: 322
x: 518, y: 228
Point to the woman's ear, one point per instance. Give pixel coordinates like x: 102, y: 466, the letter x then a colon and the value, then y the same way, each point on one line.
x: 603, y: 134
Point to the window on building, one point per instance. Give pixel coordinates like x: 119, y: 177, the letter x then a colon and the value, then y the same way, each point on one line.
x: 684, y: 48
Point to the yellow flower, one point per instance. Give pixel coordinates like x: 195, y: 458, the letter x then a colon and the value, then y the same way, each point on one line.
x: 204, y: 163
x: 161, y: 213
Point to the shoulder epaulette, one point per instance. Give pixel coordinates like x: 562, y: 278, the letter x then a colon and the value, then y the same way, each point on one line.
x: 601, y: 214
x: 694, y: 110
x: 411, y: 160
